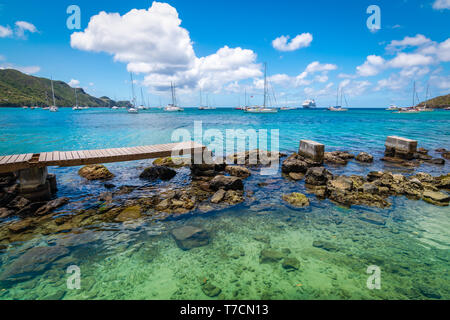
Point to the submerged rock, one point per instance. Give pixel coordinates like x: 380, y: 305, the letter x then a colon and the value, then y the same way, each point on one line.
x: 21, y: 226
x: 210, y: 290
x: 270, y: 255
x: 218, y: 196
x: 130, y: 213
x: 436, y: 198
x: 52, y: 205
x: 158, y: 172
x: 291, y: 264
x: 226, y: 183
x: 172, y: 162
x: 296, y: 176
x: 328, y: 246
x: 35, y: 260
x: 296, y: 199
x: 95, y: 172
x: 364, y: 157
x: 372, y: 218
x: 188, y: 237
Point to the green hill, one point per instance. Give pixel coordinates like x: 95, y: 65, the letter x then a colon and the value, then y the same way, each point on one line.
x: 440, y: 102
x: 18, y: 89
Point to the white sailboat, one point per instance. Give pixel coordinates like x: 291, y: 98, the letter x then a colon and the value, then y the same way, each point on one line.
x: 173, y: 106
x: 263, y: 108
x: 53, y: 108
x: 337, y: 107
x: 411, y: 109
x: 425, y: 108
x: 76, y: 102
x: 132, y: 109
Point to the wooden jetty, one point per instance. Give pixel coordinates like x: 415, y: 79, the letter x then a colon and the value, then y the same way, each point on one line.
x: 17, y: 162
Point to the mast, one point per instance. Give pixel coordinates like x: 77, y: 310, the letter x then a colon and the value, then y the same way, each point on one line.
x: 337, y: 97
x: 132, y: 91
x: 76, y: 97
x: 53, y: 93
x: 265, y: 84
x: 201, y: 100
x: 142, y: 98
x: 245, y: 102
x: 426, y: 95
x: 414, y: 93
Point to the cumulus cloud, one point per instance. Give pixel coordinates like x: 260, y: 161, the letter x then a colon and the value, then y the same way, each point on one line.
x: 22, y: 27
x: 152, y: 42
x: 441, y: 4
x: 372, y: 66
x: 300, y: 41
x: 404, y: 60
x: 415, y: 41
x: 5, y: 31
x: 317, y: 66
x: 74, y: 83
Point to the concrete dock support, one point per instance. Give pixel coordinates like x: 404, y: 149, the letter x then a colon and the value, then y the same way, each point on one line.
x: 312, y: 150
x: 36, y: 184
x: 399, y: 147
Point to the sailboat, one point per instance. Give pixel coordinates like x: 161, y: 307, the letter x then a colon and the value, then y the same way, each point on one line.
x: 53, y: 108
x: 264, y: 108
x: 425, y: 108
x: 411, y: 109
x: 173, y: 106
x: 142, y: 106
x: 337, y: 107
x: 132, y: 109
x: 202, y: 107
x: 76, y: 102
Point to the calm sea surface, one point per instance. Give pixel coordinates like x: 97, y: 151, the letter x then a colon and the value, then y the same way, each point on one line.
x: 140, y: 260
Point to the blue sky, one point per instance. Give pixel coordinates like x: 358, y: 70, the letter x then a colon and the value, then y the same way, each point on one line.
x: 220, y: 46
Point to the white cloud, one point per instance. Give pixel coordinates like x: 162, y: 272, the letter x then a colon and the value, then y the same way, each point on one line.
x: 5, y: 31
x: 311, y: 92
x: 443, y: 50
x: 153, y: 42
x: 317, y: 66
x: 22, y: 27
x: 415, y: 41
x: 24, y: 69
x: 403, y: 60
x: 300, y: 41
x: 441, y: 4
x: 74, y: 83
x: 371, y: 67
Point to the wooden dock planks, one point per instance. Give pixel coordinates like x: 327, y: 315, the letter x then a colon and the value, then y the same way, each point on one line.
x: 16, y: 162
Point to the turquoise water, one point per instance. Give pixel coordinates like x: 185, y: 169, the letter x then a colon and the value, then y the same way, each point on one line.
x: 140, y: 260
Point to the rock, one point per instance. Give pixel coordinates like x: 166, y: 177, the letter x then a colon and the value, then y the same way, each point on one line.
x: 291, y: 264
x: 436, y: 198
x: 124, y: 190
x: 109, y: 186
x: 205, y: 208
x: 233, y: 197
x: 21, y: 226
x: 270, y: 255
x: 296, y: 176
x: 328, y: 246
x: 254, y: 157
x: 158, y: 172
x: 446, y: 155
x: 172, y: 162
x: 364, y: 157
x: 400, y: 162
x: 295, y: 163
x: 238, y: 171
x: 18, y: 203
x: 163, y: 205
x: 210, y: 290
x: 424, y: 177
x: 262, y: 238
x: 226, y: 183
x: 374, y: 175
x: 218, y: 196
x: 438, y: 161
x: 370, y: 188
x: 372, y: 218
x: 95, y: 172
x: 130, y: 213
x: 317, y: 176
x: 337, y: 157
x: 35, y: 260
x: 443, y: 182
x: 422, y: 151
x: 4, y: 212
x: 296, y: 199
x: 52, y: 205
x: 188, y: 237
x: 7, y: 179
x: 341, y: 183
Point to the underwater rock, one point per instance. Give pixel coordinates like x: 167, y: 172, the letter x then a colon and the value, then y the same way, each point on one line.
x: 130, y: 213
x: 218, y: 196
x: 21, y: 226
x: 372, y: 218
x: 270, y: 255
x: 296, y: 199
x: 35, y: 260
x: 262, y: 238
x: 172, y: 162
x: 291, y: 264
x: 325, y: 245
x: 227, y: 183
x: 238, y: 171
x: 296, y: 176
x: 436, y: 198
x: 233, y: 197
x: 438, y: 161
x: 317, y: 176
x: 401, y: 162
x: 158, y: 172
x: 95, y: 172
x: 210, y: 290
x: 443, y: 182
x: 109, y: 186
x: 188, y: 237
x: 364, y: 157
x: 446, y: 155
x: 124, y: 190
x: 52, y: 205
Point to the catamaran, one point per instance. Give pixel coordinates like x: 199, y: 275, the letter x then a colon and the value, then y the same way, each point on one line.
x: 53, y: 108
x: 338, y: 107
x: 264, y: 108
x: 173, y: 106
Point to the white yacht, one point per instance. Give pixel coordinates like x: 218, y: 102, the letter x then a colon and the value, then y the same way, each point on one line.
x: 393, y: 107
x: 53, y: 108
x: 338, y: 107
x: 133, y: 109
x: 264, y: 108
x: 173, y: 106
x: 309, y: 103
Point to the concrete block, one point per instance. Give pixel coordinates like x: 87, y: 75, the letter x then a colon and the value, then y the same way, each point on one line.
x: 312, y: 150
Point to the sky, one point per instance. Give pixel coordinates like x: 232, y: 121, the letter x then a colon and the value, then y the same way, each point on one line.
x: 218, y: 48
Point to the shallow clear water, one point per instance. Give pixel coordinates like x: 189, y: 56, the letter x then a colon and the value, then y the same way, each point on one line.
x: 140, y: 260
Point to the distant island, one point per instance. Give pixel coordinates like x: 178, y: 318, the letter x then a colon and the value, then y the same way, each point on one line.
x: 440, y: 102
x: 18, y: 89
